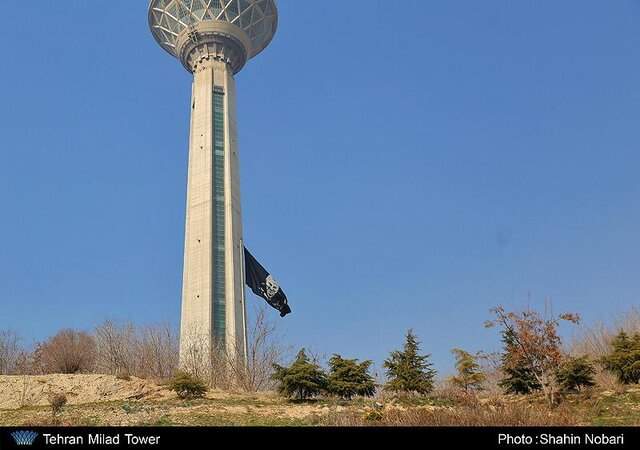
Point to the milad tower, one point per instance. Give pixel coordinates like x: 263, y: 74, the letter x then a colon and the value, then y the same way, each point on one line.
x: 213, y: 39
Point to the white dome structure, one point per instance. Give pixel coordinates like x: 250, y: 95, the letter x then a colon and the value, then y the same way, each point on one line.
x: 254, y: 21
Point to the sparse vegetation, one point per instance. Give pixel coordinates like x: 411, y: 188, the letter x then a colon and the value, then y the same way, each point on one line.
x: 597, y: 388
x: 161, y: 407
x: 512, y: 414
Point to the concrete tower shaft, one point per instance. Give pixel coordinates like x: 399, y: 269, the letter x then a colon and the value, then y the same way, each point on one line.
x: 213, y: 39
x: 213, y: 310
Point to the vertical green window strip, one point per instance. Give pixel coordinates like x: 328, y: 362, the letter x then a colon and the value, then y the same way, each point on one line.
x: 219, y: 302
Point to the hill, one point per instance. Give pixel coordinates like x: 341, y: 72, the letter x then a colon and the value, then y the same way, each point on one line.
x: 107, y: 400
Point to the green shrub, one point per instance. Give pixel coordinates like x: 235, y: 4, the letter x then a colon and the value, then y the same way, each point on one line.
x: 624, y: 359
x: 517, y: 378
x: 187, y: 386
x: 575, y: 374
x: 348, y: 378
x: 302, y: 380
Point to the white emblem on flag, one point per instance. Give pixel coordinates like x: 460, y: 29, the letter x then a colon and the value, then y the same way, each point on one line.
x: 272, y: 287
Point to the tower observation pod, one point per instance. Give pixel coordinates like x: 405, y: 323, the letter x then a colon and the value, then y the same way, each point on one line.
x: 213, y: 39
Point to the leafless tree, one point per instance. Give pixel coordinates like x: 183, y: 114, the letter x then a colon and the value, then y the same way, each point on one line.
x: 263, y: 351
x: 115, y: 348
x: 124, y: 349
x: 225, y: 367
x: 196, y: 357
x: 157, y: 352
x: 10, y: 352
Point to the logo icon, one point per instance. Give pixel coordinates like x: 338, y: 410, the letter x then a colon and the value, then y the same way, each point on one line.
x: 24, y: 437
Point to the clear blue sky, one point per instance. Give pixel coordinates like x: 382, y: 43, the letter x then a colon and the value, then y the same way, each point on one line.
x: 404, y: 164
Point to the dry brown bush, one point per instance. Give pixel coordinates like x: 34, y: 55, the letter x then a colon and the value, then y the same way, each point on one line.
x: 57, y: 403
x: 69, y: 351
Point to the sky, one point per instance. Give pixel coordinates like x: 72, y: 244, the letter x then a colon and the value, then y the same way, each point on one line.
x: 403, y: 165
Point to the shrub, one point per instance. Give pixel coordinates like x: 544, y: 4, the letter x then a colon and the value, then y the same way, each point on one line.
x: 624, y: 359
x: 408, y: 371
x: 57, y: 403
x: 348, y: 378
x: 124, y: 376
x: 187, y: 386
x: 302, y: 380
x: 576, y: 373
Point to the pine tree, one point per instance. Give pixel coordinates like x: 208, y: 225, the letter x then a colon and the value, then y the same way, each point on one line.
x: 301, y: 380
x: 624, y: 359
x: 470, y: 376
x: 348, y: 378
x: 518, y: 379
x: 576, y: 373
x: 408, y: 371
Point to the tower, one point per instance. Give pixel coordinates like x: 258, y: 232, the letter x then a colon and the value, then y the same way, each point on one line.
x: 213, y: 39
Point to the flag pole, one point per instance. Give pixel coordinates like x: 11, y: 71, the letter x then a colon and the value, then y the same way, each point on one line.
x: 244, y: 306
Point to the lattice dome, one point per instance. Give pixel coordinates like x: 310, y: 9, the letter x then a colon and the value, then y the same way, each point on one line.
x: 258, y: 18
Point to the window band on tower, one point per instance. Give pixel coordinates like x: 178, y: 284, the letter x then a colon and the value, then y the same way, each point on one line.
x: 219, y: 278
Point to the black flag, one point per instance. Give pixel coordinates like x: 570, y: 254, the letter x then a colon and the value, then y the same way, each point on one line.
x: 263, y: 284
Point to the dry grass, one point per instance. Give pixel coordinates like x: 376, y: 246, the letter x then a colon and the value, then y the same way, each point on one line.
x: 453, y: 407
x: 514, y: 414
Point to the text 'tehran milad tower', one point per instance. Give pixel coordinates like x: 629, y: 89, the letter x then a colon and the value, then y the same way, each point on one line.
x: 213, y: 39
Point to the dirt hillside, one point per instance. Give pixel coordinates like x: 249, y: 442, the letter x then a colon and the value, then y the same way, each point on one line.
x: 24, y: 391
x: 107, y: 400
